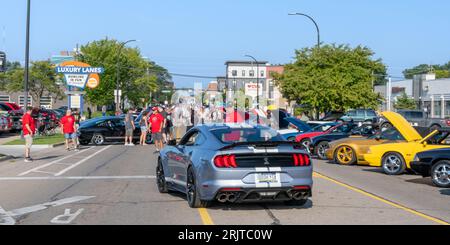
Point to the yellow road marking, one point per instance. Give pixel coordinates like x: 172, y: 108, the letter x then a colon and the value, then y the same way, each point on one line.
x: 439, y: 221
x: 206, y: 218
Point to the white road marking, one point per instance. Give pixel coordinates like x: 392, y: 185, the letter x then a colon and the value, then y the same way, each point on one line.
x: 6, y: 219
x: 77, y: 178
x: 40, y: 207
x: 67, y: 217
x: 82, y: 161
x: 53, y: 162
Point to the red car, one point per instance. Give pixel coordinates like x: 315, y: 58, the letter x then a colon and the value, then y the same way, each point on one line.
x: 305, y: 139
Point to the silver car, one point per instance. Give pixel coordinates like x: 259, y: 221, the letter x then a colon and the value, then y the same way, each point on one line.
x: 235, y: 164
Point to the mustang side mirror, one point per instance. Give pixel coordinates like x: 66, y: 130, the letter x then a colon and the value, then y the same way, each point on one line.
x: 425, y: 144
x: 172, y: 143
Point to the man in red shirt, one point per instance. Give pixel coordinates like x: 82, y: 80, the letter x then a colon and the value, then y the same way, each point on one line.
x: 68, y: 129
x: 156, y: 123
x: 28, y: 129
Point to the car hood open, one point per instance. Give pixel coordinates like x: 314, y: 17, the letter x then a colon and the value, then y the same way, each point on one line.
x: 403, y: 126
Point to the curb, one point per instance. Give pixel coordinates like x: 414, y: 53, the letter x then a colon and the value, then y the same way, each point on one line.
x: 6, y: 158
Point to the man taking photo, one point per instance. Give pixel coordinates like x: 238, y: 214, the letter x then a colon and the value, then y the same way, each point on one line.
x: 28, y: 129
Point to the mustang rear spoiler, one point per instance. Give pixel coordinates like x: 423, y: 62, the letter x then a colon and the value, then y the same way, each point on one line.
x: 263, y: 144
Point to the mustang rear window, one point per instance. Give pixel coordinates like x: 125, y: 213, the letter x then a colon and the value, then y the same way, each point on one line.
x: 238, y: 135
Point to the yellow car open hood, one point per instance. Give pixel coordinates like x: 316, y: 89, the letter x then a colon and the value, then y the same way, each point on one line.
x: 403, y: 126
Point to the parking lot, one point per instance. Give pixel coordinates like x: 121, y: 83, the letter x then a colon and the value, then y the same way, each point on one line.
x: 115, y: 184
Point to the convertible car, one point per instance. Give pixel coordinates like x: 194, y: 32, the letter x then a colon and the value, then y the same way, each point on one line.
x: 327, y: 128
x: 395, y: 158
x: 434, y: 163
x: 320, y: 144
x: 233, y: 164
x: 350, y: 151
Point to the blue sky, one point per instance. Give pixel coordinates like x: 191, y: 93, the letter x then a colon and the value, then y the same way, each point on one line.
x: 198, y: 36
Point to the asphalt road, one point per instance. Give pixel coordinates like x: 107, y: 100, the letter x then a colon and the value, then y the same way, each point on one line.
x: 116, y: 185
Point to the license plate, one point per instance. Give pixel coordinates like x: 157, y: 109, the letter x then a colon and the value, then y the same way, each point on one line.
x: 271, y: 178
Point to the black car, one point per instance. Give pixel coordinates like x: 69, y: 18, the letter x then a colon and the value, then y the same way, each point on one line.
x: 434, y: 163
x: 320, y: 144
x: 106, y: 129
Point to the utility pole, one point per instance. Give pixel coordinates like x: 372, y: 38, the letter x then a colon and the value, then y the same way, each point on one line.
x: 27, y: 56
x: 389, y: 94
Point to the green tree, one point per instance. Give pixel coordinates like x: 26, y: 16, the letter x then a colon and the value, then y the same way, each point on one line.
x: 138, y: 76
x: 42, y: 81
x: 405, y: 103
x: 331, y: 78
x: 441, y: 71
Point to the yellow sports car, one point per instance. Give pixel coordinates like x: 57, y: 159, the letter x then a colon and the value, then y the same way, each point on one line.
x: 351, y: 151
x: 395, y: 158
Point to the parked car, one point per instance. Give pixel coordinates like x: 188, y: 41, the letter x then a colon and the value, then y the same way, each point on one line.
x: 5, y: 123
x: 360, y: 115
x: 332, y: 116
x: 320, y: 144
x: 418, y: 118
x: 46, y: 121
x: 295, y: 127
x: 305, y: 138
x: 395, y: 158
x: 235, y: 164
x: 351, y: 151
x: 434, y: 163
x: 106, y: 129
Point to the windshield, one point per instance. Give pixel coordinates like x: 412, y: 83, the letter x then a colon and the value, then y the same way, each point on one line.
x: 229, y: 135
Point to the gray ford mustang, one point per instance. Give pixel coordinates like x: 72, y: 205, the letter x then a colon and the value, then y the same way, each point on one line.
x: 235, y: 164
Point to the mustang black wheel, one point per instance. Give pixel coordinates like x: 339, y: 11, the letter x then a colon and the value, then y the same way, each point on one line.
x: 440, y: 174
x: 161, y: 178
x: 193, y: 197
x: 98, y: 139
x: 393, y: 164
x: 321, y: 149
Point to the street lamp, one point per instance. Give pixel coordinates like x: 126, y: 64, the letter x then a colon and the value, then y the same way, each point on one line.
x: 27, y: 57
x: 315, y: 23
x: 118, y: 72
x: 257, y: 87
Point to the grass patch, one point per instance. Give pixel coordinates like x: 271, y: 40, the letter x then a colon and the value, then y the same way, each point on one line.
x: 41, y: 140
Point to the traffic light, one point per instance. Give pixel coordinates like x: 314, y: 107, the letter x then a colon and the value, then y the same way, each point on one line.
x: 2, y: 62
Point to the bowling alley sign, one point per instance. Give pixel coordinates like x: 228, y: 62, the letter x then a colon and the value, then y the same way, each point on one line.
x: 80, y: 75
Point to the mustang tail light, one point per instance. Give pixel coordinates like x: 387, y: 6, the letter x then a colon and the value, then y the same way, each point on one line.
x: 225, y: 161
x: 301, y: 160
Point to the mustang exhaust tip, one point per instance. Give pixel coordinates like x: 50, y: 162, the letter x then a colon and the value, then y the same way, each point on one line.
x: 227, y: 197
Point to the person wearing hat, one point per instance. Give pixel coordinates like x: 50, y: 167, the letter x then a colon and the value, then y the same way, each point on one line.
x: 156, y: 124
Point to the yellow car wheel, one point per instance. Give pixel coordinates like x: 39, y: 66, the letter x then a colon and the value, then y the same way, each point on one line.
x: 345, y: 155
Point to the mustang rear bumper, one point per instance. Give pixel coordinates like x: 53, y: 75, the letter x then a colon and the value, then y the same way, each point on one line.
x: 263, y: 195
x: 243, y: 182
